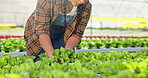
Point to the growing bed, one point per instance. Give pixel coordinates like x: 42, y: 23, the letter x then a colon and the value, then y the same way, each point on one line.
x: 68, y: 64
x: 105, y: 58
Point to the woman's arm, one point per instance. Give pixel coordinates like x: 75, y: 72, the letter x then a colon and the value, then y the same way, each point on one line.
x: 72, y: 42
x: 76, y: 37
x: 42, y: 24
x: 46, y: 44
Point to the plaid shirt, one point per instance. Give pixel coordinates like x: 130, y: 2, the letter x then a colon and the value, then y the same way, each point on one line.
x: 40, y: 20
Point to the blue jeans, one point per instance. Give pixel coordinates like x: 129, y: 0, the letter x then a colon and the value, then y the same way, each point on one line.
x: 57, y: 39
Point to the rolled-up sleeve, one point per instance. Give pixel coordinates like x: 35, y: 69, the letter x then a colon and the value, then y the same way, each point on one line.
x: 42, y: 17
x: 84, y: 20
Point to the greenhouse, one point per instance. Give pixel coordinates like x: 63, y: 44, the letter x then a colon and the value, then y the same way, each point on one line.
x: 114, y: 43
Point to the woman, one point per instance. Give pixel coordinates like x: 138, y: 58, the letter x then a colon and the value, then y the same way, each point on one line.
x: 50, y: 26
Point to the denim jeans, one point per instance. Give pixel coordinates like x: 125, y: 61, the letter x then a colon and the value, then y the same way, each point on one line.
x: 57, y: 39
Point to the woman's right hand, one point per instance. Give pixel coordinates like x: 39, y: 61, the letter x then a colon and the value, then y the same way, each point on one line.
x: 49, y: 54
x: 46, y: 44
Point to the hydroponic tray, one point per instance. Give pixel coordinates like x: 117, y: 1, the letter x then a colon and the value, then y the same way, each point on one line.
x: 104, y: 50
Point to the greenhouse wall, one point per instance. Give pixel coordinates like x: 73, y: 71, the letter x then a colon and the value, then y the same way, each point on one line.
x: 17, y: 11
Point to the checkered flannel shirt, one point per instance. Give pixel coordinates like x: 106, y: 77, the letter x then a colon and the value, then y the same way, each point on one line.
x: 40, y: 20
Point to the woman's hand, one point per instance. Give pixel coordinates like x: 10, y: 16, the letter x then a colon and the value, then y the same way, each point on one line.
x: 72, y: 42
x: 50, y: 55
x: 77, y: 2
x: 46, y: 44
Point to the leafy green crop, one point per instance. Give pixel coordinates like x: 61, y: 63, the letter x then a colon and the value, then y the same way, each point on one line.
x: 83, y: 65
x: 64, y: 55
x: 18, y: 44
x: 108, y: 43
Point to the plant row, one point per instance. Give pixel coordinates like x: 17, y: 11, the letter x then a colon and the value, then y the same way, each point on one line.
x: 18, y: 44
x: 12, y: 44
x: 111, y: 37
x: 86, y: 37
x: 6, y: 37
x: 67, y: 64
x: 109, y: 43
